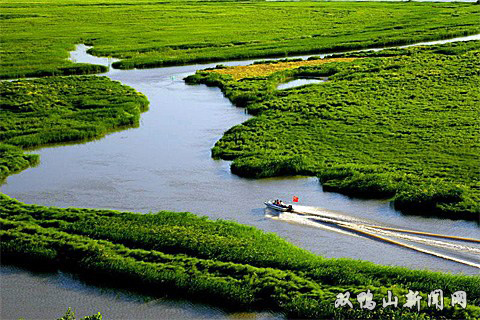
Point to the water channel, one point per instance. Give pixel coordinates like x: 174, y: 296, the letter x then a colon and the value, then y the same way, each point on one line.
x: 165, y: 164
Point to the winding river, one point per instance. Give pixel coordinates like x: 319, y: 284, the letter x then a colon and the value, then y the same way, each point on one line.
x: 165, y: 164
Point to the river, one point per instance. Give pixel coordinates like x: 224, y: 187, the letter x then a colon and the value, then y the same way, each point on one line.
x: 165, y: 164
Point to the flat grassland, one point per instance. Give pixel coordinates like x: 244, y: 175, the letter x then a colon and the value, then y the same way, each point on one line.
x: 36, y: 36
x: 404, y: 125
x: 219, y: 262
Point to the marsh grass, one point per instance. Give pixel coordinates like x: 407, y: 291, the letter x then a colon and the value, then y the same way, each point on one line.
x: 262, y: 69
x: 219, y: 262
x: 54, y: 110
x: 70, y: 315
x: 156, y: 34
x: 400, y: 124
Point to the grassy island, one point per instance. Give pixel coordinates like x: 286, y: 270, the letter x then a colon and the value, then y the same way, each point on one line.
x: 61, y: 109
x: 400, y: 124
x: 219, y: 262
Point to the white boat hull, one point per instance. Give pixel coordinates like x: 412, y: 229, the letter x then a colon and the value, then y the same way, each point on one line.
x: 271, y: 205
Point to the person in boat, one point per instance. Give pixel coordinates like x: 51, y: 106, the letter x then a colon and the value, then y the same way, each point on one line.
x: 279, y: 203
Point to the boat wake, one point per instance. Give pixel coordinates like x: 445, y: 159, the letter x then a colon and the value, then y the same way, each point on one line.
x: 442, y: 246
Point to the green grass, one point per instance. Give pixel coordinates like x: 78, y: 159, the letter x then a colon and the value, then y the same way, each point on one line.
x: 13, y: 160
x: 404, y: 125
x: 334, y: 131
x: 219, y: 262
x: 70, y: 315
x: 61, y: 109
x: 36, y: 36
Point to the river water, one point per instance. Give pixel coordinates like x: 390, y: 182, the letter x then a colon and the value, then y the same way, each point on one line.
x: 299, y: 82
x: 165, y: 164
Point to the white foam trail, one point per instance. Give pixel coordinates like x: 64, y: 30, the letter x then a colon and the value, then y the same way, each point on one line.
x: 295, y: 218
x: 308, y: 215
x: 319, y: 212
x: 409, y: 246
x: 430, y: 242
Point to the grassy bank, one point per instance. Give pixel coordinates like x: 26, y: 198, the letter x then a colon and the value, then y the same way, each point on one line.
x: 153, y: 34
x: 61, y: 109
x: 219, y: 262
x: 399, y: 124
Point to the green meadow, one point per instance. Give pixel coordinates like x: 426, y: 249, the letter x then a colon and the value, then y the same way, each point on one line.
x: 36, y: 36
x: 400, y: 124
x: 223, y: 263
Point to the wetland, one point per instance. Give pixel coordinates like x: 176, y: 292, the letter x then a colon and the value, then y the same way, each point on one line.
x: 176, y: 173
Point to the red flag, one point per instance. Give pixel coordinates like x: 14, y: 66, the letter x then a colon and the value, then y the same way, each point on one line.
x: 295, y: 199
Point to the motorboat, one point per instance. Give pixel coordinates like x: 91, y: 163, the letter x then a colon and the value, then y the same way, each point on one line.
x: 279, y: 205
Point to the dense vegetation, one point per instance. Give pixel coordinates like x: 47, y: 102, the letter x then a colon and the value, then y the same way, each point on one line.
x: 336, y: 131
x: 401, y: 123
x: 61, y: 109
x: 36, y: 36
x: 264, y: 68
x: 219, y: 262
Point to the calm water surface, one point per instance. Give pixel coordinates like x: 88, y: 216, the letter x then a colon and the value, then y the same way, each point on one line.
x: 299, y: 82
x: 165, y: 164
x: 49, y: 295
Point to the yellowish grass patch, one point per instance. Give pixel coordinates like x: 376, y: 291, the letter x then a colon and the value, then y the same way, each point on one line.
x: 261, y: 70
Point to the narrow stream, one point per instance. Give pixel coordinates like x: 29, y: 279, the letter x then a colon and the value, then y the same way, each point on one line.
x: 300, y: 82
x: 165, y: 164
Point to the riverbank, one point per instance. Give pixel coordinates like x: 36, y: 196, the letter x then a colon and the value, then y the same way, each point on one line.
x: 370, y: 131
x: 58, y: 110
x: 274, y: 29
x: 219, y: 262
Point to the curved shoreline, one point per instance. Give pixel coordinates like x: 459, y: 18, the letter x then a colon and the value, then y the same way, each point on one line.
x: 254, y: 94
x: 309, y: 27
x: 85, y: 49
x: 88, y: 58
x: 298, y: 53
x: 180, y: 254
